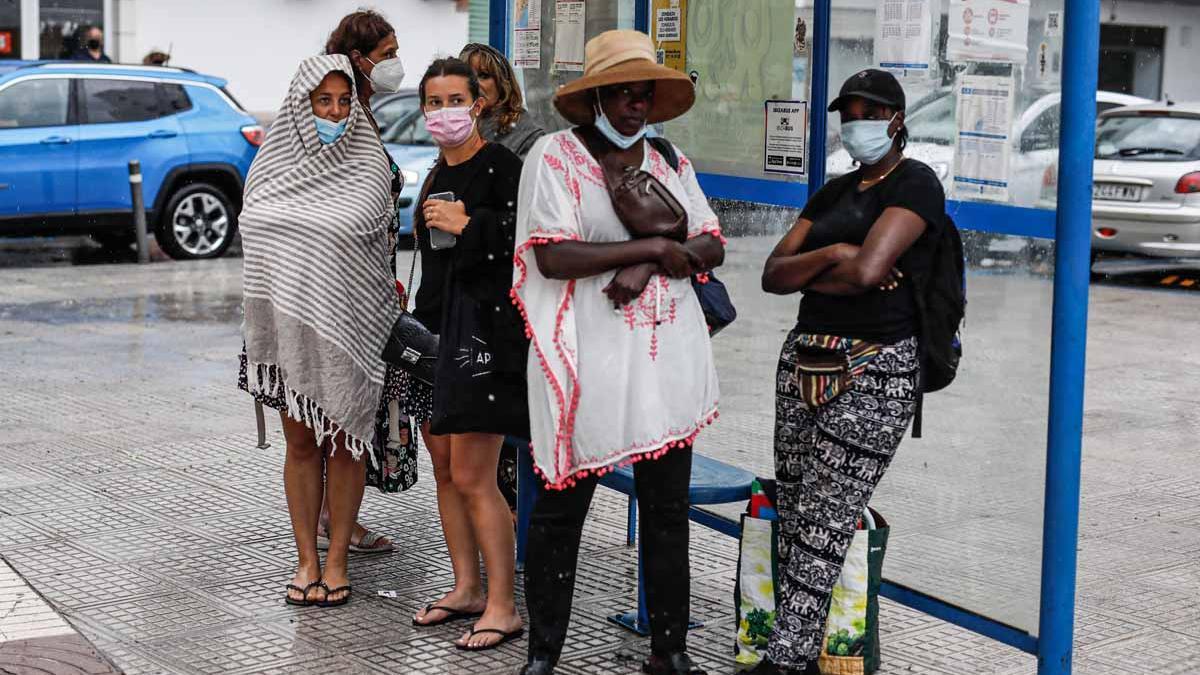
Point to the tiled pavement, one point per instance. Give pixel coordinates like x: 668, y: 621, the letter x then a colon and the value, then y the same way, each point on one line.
x: 133, y: 499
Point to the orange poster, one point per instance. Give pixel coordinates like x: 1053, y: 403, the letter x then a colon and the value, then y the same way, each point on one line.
x: 668, y: 29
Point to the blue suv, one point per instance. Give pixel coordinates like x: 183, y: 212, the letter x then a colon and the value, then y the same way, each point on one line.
x: 69, y: 130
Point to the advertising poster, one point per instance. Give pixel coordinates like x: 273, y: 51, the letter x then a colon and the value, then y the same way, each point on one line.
x: 527, y: 34
x: 784, y: 148
x: 989, y: 30
x: 670, y: 32
x: 903, y: 37
x: 981, y: 158
x: 569, y: 35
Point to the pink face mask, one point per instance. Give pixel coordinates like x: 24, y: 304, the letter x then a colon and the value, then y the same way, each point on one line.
x: 450, y: 127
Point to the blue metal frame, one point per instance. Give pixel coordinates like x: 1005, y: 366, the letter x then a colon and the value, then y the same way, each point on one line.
x: 1068, y: 351
x: 1072, y: 230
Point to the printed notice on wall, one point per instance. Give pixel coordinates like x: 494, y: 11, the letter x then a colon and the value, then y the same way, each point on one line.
x: 569, y: 35
x: 903, y: 37
x: 989, y: 30
x: 981, y: 158
x: 784, y: 149
x: 670, y: 32
x: 527, y: 33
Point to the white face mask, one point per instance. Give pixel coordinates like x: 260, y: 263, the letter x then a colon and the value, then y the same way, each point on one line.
x: 604, y: 126
x: 387, y: 75
x: 867, y: 141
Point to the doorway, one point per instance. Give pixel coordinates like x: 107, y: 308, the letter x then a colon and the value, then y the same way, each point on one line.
x: 1131, y: 60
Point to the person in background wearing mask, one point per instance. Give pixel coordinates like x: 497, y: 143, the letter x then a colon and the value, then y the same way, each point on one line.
x: 91, y: 47
x: 369, y: 41
x: 622, y: 367
x: 478, y: 396
x: 852, y: 253
x: 313, y: 333
x: 504, y: 119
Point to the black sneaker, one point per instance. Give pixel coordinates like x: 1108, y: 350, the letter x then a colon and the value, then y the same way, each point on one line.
x: 678, y: 663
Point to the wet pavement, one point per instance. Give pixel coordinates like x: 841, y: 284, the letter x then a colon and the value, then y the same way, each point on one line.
x: 133, y: 499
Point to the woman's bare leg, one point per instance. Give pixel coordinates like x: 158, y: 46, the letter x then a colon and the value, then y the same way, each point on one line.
x: 345, y: 479
x: 467, y: 594
x: 474, y: 458
x: 303, y: 482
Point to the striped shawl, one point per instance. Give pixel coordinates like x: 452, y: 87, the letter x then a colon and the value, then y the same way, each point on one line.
x: 319, y: 296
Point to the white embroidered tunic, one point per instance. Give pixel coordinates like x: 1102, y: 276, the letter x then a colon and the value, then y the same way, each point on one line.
x: 606, y: 386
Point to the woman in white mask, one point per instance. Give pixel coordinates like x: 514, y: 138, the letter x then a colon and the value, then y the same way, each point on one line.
x: 370, y: 42
x: 854, y: 254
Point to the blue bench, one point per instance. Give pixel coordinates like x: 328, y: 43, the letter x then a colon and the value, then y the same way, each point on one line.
x: 713, y: 482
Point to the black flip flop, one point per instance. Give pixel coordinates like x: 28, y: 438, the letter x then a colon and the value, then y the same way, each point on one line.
x: 305, y: 602
x: 330, y: 591
x: 504, y: 637
x: 451, y: 615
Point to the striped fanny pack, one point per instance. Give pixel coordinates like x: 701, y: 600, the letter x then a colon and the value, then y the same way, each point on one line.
x: 827, y: 365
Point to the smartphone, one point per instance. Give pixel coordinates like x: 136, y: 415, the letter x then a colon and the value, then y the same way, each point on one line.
x: 439, y: 240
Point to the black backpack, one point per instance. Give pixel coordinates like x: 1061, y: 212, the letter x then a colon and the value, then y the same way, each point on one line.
x: 941, y: 304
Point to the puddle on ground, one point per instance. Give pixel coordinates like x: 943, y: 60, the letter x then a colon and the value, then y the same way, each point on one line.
x: 145, y: 309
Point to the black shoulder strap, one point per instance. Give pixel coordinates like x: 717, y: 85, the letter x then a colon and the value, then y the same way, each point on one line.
x: 667, y: 150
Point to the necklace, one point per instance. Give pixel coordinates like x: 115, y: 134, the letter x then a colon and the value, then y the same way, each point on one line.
x: 865, y: 182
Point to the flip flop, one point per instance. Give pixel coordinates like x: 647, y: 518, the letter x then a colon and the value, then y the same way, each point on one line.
x: 330, y: 591
x: 504, y: 637
x: 303, y: 593
x: 451, y: 615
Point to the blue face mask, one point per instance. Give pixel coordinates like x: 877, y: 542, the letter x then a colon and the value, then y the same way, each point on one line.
x: 610, y: 132
x: 867, y: 141
x: 328, y: 131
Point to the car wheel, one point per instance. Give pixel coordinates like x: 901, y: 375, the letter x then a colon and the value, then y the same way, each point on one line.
x: 199, y: 222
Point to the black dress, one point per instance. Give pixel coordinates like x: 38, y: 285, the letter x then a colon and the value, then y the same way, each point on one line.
x: 479, y: 383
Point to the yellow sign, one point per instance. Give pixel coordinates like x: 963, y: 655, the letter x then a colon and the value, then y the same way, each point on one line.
x: 669, y: 32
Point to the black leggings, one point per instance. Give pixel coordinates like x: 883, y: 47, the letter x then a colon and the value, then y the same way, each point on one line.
x: 554, y: 532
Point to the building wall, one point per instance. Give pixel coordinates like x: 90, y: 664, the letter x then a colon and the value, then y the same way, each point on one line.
x: 256, y: 44
x: 1182, y: 50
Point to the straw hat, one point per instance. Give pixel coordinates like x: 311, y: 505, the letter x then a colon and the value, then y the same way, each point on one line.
x: 619, y: 57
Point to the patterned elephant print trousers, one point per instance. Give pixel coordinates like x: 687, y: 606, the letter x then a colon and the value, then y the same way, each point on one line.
x: 827, y: 464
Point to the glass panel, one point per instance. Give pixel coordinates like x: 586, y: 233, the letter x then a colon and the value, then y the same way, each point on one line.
x: 120, y: 101
x: 35, y: 103
x: 10, y: 29
x: 740, y: 55
x: 62, y: 23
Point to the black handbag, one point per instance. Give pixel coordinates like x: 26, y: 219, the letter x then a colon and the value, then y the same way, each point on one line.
x: 411, y: 346
x: 714, y: 298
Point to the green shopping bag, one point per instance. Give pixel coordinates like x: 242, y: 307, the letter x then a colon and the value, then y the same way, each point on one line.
x: 852, y: 630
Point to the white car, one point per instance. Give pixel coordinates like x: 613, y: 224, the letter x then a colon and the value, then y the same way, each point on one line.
x: 932, y: 129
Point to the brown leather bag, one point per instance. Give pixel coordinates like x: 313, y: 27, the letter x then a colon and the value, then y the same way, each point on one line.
x: 643, y: 204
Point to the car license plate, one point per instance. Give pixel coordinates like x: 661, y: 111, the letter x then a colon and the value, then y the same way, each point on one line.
x: 1116, y: 192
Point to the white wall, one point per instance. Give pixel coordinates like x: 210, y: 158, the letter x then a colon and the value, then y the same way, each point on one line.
x: 256, y: 44
x: 1179, y: 59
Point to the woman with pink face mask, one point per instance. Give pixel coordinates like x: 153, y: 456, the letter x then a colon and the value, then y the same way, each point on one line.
x: 465, y: 229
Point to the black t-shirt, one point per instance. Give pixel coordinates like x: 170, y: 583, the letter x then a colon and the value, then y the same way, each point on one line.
x: 435, y: 265
x: 840, y: 213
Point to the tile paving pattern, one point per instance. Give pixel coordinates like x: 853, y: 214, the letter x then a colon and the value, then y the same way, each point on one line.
x: 133, y: 498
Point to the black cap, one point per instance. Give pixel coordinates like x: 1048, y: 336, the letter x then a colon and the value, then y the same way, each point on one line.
x: 874, y: 85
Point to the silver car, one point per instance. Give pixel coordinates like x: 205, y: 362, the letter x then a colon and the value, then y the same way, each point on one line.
x: 1146, y: 194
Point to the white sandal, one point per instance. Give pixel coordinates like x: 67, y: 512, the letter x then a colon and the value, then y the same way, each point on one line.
x: 365, y: 545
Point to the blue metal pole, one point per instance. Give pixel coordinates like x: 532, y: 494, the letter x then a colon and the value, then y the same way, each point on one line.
x: 1081, y: 55
x: 819, y: 97
x: 498, y: 25
x: 641, y: 16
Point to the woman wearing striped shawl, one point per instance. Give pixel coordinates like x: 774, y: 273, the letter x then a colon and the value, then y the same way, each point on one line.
x: 320, y: 301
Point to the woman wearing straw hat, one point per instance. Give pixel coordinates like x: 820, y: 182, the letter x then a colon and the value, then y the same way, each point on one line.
x: 621, y: 368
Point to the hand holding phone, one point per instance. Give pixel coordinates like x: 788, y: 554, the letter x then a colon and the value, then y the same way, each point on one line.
x: 440, y: 240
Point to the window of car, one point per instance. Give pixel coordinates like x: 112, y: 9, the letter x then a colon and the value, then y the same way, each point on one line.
x: 934, y: 122
x: 402, y: 123
x: 1043, y: 133
x: 107, y: 101
x: 174, y: 97
x: 1149, y: 137
x: 40, y: 102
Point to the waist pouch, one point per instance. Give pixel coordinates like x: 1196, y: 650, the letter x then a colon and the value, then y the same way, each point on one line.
x: 827, y: 365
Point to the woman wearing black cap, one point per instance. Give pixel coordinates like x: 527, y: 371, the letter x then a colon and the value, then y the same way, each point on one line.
x: 852, y: 254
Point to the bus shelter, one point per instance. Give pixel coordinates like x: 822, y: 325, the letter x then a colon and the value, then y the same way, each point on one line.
x: 1002, y: 105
